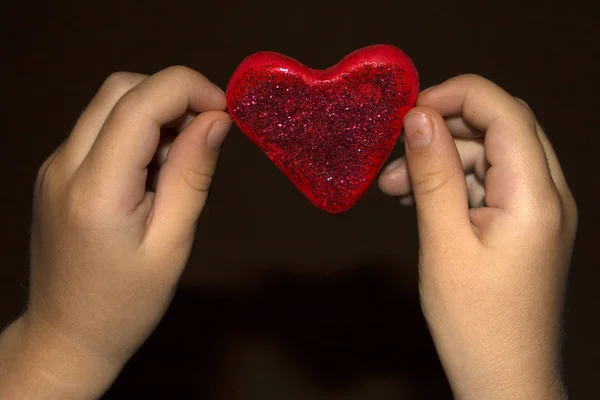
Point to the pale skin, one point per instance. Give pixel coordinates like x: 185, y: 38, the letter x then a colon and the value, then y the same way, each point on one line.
x: 496, y: 224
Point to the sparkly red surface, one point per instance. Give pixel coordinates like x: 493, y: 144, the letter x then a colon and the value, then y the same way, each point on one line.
x: 329, y: 131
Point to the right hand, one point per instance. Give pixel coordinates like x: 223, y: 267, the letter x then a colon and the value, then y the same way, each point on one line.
x: 492, y: 276
x: 107, y: 253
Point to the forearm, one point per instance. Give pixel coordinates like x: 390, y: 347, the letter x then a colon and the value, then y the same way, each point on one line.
x: 38, y: 366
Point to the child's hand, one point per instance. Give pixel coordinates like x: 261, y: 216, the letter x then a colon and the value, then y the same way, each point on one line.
x: 492, y: 278
x: 106, y: 253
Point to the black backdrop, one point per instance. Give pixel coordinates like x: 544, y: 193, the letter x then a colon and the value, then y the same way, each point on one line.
x: 279, y: 299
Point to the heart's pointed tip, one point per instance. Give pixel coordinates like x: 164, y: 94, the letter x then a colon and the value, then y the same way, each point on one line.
x: 335, y: 206
x: 336, y: 210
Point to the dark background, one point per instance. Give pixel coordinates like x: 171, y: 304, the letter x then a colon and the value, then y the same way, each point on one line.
x: 282, y: 301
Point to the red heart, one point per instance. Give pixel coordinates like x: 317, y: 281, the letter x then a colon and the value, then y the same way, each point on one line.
x: 329, y: 131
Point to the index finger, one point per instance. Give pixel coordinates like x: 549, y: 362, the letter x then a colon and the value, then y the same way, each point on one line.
x: 130, y: 136
x: 518, y: 167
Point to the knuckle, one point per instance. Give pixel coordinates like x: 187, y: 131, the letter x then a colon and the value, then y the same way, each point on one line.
x: 549, y: 215
x: 118, y: 88
x: 45, y: 179
x: 571, y: 205
x: 119, y: 82
x: 523, y: 103
x: 129, y: 107
x: 42, y: 173
x: 473, y: 79
x: 123, y: 105
x: 85, y: 207
x: 181, y: 76
x: 78, y: 204
x: 554, y: 215
x: 431, y: 182
x: 472, y: 76
x: 199, y: 179
x: 571, y: 212
x: 525, y: 114
x: 179, y: 71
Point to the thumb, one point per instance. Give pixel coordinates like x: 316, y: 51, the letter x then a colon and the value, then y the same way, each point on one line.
x: 185, y: 177
x: 437, y: 179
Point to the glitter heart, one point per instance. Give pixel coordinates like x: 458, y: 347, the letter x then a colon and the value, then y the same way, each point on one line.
x: 329, y: 131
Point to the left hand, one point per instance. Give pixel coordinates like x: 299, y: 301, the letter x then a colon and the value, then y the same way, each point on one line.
x: 495, y: 238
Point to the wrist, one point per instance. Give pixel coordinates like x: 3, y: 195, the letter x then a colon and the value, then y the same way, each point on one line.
x: 491, y: 357
x: 38, y: 363
x: 499, y: 379
x: 512, y: 388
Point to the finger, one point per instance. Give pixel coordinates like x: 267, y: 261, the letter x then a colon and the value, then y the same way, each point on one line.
x: 81, y: 139
x: 180, y: 123
x: 472, y: 156
x: 458, y: 127
x: 394, y: 180
x: 185, y: 177
x: 437, y: 179
x: 168, y: 134
x: 558, y: 176
x: 556, y: 171
x: 566, y: 196
x: 129, y: 138
x: 167, y: 137
x: 166, y: 140
x: 407, y: 201
x: 476, y: 190
x: 518, y: 169
x: 553, y: 162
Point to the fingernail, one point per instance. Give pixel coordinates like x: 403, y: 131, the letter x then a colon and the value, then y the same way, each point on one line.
x: 393, y: 165
x: 217, y: 134
x: 417, y: 130
x: 407, y: 201
x: 218, y: 88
